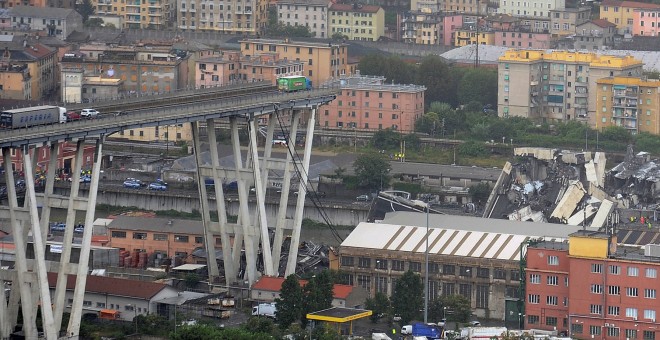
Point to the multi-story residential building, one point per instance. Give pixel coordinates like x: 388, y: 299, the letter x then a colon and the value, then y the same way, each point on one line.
x: 591, y: 287
x: 556, y: 86
x: 66, y: 158
x: 645, y: 22
x: 322, y: 61
x: 451, y: 23
x: 629, y: 102
x: 40, y: 61
x: 468, y: 35
x: 69, y: 4
x: 622, y: 13
x: 522, y: 39
x: 594, y: 35
x: 530, y: 8
x: 432, y: 6
x: 248, y: 17
x: 474, y: 7
x: 423, y: 27
x: 218, y: 71
x: 367, y: 102
x: 310, y: 13
x: 15, y: 81
x: 565, y: 20
x: 535, y: 24
x: 58, y: 22
x: 357, y: 21
x: 134, y: 13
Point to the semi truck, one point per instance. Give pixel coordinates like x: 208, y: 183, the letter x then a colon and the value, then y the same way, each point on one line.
x: 482, y: 333
x: 429, y: 331
x: 32, y: 116
x: 293, y: 83
x: 265, y: 309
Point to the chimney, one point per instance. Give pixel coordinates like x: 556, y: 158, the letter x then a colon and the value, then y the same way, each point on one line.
x: 613, y: 241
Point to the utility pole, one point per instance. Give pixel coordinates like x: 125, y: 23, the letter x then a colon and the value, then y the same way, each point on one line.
x: 476, y: 59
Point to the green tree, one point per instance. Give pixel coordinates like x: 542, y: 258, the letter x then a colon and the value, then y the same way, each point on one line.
x: 407, y: 298
x: 290, y: 302
x: 617, y: 134
x: 379, y: 304
x: 456, y: 308
x: 480, y: 192
x: 317, y: 294
x: 478, y: 85
x: 434, y: 74
x: 413, y: 142
x: 85, y: 8
x: 386, y: 139
x: 338, y: 36
x: 472, y: 149
x: 94, y: 22
x: 428, y: 123
x: 191, y: 280
x: 372, y: 171
x: 260, y: 325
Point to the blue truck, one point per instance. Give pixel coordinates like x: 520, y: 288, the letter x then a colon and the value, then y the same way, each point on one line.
x: 429, y: 331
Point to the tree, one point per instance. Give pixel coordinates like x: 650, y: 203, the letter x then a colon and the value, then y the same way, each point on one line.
x: 407, y: 298
x: 317, y: 294
x: 386, y: 139
x: 290, y: 302
x: 478, y: 85
x: 480, y: 192
x: 413, y: 142
x: 191, y: 280
x: 379, y: 304
x: 85, y: 8
x: 372, y: 171
x: 434, y: 74
x: 455, y: 307
x: 94, y: 22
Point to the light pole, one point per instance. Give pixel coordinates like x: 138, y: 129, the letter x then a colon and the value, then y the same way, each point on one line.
x: 426, y: 270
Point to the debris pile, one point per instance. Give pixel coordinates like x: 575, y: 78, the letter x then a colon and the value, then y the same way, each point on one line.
x: 552, y: 185
x: 634, y: 183
x: 311, y: 257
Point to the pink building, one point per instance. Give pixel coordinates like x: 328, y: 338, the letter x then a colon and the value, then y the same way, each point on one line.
x: 217, y: 71
x: 367, y: 102
x: 451, y: 23
x: 645, y: 22
x: 522, y: 39
x: 269, y: 67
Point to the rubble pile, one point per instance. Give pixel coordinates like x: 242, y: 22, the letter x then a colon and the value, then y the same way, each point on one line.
x: 634, y: 183
x: 552, y: 185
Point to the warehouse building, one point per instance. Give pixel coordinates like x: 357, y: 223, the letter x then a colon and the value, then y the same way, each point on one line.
x: 474, y: 257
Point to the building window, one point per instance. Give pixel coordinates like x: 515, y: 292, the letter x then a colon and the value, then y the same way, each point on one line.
x: 449, y: 269
x: 576, y: 328
x: 499, y: 274
x: 364, y: 281
x: 483, y: 272
x: 633, y: 271
x: 364, y: 262
x: 397, y: 265
x: 612, y: 331
x: 348, y: 261
x: 649, y: 335
x: 181, y: 238
x: 139, y: 236
x: 596, y: 309
x: 649, y: 293
x: 532, y: 319
x: 100, y: 305
x: 615, y: 270
x: 483, y: 293
x: 613, y: 310
x: 381, y: 264
x: 118, y: 234
x: 515, y: 275
x: 447, y: 288
x: 596, y: 268
x: 434, y: 267
x: 465, y: 289
x: 550, y: 321
x: 381, y: 284
x: 553, y: 260
x: 534, y: 298
x: 199, y: 239
x: 416, y: 266
x: 348, y: 279
x: 614, y: 290
x: 631, y: 334
x: 649, y: 314
x: 535, y: 278
x: 597, y: 289
x: 160, y: 237
x: 551, y: 300
x: 631, y: 313
x: 553, y: 280
x: 651, y: 273
x: 512, y: 292
x: 465, y: 271
x: 594, y: 330
x: 631, y: 291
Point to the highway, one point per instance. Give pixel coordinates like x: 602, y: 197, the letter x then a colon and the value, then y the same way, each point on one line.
x: 257, y: 102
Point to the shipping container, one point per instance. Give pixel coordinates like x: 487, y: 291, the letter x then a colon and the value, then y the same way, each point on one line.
x: 32, y: 116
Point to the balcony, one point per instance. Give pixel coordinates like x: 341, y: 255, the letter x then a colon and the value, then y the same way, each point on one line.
x: 155, y: 14
x: 533, y: 83
x: 626, y: 93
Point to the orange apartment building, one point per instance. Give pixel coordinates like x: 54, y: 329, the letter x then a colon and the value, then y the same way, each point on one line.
x: 321, y: 61
x: 367, y: 102
x: 171, y: 237
x: 223, y: 70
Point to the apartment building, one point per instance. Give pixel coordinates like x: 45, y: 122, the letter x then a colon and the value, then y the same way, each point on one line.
x: 629, y: 102
x: 423, y: 27
x: 237, y: 17
x: 367, y: 102
x: 432, y: 6
x: 564, y: 21
x: 28, y: 70
x: 321, y: 61
x: 310, y: 13
x: 69, y: 4
x: 15, y: 81
x: 591, y: 287
x: 622, y: 13
x: 522, y: 39
x: 57, y: 22
x: 268, y: 67
x: 151, y: 14
x: 357, y: 21
x: 594, y: 35
x: 530, y: 8
x: 645, y: 22
x: 556, y: 86
x: 468, y: 35
x: 474, y: 7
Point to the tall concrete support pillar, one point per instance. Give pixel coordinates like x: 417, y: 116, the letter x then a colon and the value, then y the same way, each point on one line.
x: 302, y: 191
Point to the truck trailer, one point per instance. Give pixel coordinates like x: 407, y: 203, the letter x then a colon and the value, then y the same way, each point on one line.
x: 420, y: 329
x: 483, y: 333
x: 293, y: 83
x: 265, y: 309
x: 32, y: 116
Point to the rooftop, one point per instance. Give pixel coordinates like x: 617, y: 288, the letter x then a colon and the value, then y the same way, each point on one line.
x: 292, y: 43
x: 42, y: 12
x: 593, y: 59
x: 274, y: 284
x: 623, y: 252
x: 629, y: 4
x: 113, y: 286
x: 325, y: 3
x: 437, y: 170
x: 339, y: 314
x: 375, y: 83
x: 636, y: 81
x: 601, y: 23
x: 157, y: 224
x: 355, y: 8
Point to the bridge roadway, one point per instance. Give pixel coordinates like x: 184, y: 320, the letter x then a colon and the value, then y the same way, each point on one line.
x: 258, y: 102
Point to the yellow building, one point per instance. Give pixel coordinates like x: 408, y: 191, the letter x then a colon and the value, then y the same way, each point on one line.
x: 322, y: 61
x: 357, y: 21
x: 164, y: 134
x: 466, y: 36
x: 621, y: 13
x: 557, y: 86
x: 15, y: 81
x: 241, y: 17
x: 135, y: 13
x: 629, y: 102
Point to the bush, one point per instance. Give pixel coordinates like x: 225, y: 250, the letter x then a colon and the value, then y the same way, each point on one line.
x: 472, y: 149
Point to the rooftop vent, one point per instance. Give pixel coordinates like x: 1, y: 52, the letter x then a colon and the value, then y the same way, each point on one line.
x: 652, y: 250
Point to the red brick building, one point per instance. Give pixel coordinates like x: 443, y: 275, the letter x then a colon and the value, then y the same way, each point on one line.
x: 65, y: 157
x: 593, y: 288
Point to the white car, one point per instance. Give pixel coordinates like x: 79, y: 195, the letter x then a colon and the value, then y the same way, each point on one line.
x: 88, y: 113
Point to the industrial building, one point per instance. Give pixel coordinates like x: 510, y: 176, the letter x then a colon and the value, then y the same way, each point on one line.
x: 474, y: 257
x: 590, y: 286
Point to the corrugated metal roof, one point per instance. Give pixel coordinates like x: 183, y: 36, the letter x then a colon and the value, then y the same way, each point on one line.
x: 452, y: 242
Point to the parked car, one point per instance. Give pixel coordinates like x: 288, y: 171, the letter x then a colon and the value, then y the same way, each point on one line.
x: 89, y: 113
x: 157, y: 186
x: 85, y: 179
x: 362, y: 198
x: 72, y: 115
x: 131, y: 184
x: 57, y: 227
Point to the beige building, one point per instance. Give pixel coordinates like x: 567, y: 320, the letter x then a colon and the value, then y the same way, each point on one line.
x: 563, y: 21
x: 367, y: 102
x: 322, y: 61
x: 57, y: 22
x: 629, y: 102
x: 423, y: 27
x: 241, y: 17
x: 310, y: 13
x: 467, y: 7
x: 556, y: 86
x: 432, y: 6
x: 15, y: 81
x: 357, y: 21
x: 151, y: 14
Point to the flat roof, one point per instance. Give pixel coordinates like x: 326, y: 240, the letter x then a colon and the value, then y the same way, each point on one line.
x: 339, y: 314
x: 452, y: 171
x: 189, y: 266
